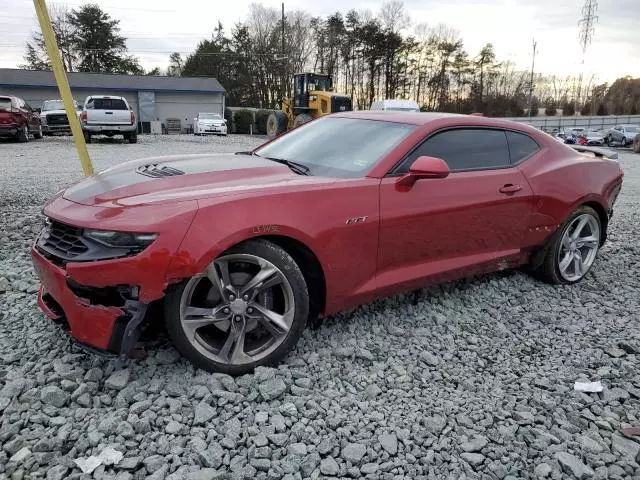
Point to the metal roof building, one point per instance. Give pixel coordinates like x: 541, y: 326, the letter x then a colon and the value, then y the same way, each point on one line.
x: 152, y: 97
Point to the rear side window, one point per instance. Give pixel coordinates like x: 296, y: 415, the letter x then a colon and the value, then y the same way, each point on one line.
x: 109, y: 104
x: 465, y: 149
x: 521, y: 146
x: 5, y: 103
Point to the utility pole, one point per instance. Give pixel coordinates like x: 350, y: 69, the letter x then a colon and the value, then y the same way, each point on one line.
x: 283, y: 29
x: 533, y: 64
x: 285, y: 83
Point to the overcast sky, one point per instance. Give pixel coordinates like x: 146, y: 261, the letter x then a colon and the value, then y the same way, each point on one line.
x: 156, y: 27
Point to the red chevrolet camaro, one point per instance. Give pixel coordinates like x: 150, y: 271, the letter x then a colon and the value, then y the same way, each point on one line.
x: 242, y: 250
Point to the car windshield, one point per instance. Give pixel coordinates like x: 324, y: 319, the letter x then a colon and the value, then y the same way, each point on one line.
x: 338, y: 147
x: 209, y: 116
x: 52, y: 105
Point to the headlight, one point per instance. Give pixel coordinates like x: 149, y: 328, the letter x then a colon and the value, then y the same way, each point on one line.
x: 121, y: 239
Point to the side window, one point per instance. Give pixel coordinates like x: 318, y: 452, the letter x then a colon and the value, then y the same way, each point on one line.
x: 89, y: 105
x: 464, y: 149
x: 521, y: 146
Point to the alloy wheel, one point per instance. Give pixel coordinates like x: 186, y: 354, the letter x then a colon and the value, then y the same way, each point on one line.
x: 239, y: 310
x: 578, y: 247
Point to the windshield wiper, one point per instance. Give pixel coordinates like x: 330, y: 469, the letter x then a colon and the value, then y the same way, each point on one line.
x: 296, y: 167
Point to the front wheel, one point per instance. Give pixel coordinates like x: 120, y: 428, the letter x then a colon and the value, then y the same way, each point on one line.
x: 247, y: 309
x: 572, y: 250
x: 276, y: 124
x: 132, y: 137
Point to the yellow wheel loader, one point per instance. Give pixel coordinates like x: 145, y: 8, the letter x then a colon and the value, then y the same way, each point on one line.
x: 312, y: 98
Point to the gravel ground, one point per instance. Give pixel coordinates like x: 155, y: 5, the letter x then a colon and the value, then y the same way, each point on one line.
x: 468, y: 380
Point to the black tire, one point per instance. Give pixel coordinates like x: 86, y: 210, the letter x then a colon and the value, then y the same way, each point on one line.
x: 38, y: 134
x: 276, y: 124
x: 278, y: 257
x: 23, y: 134
x: 549, y: 270
x: 302, y: 119
x: 87, y: 137
x: 132, y: 137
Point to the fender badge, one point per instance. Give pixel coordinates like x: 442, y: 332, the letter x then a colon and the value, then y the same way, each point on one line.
x: 265, y: 229
x: 351, y: 221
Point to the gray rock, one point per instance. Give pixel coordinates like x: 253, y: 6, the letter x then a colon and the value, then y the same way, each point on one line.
x: 129, y: 463
x: 299, y: 449
x: 573, y: 465
x: 473, y: 459
x: 118, y: 379
x: 542, y: 470
x: 59, y: 472
x: 524, y: 418
x: 328, y: 466
x: 212, y: 456
x: 21, y: 455
x: 203, y: 413
x: 626, y: 447
x: 372, y: 391
x: 615, y: 352
x: 154, y: 463
x: 272, y: 389
x: 435, y: 424
x: 369, y: 468
x: 353, y: 452
x: 93, y: 375
x: 476, y: 444
x: 207, y: 474
x: 389, y: 442
x: 53, y: 395
x: 590, y: 445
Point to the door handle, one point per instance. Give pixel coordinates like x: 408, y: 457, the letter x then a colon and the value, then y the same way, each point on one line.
x: 510, y: 188
x: 108, y: 113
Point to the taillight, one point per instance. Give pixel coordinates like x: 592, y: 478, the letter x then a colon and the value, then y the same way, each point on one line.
x: 133, y: 118
x: 83, y: 116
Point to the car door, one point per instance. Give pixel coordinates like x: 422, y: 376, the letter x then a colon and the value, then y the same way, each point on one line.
x: 32, y: 118
x: 617, y: 134
x: 473, y: 220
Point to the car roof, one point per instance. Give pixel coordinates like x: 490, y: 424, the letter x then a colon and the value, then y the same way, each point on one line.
x: 424, y: 118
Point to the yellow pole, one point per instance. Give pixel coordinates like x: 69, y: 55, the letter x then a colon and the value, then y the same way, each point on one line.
x: 63, y: 84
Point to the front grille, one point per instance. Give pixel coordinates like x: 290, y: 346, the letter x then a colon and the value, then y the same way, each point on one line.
x: 154, y: 171
x: 57, y: 119
x: 62, y: 241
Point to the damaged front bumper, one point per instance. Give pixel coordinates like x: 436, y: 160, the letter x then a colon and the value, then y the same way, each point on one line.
x: 103, y: 301
x: 111, y: 326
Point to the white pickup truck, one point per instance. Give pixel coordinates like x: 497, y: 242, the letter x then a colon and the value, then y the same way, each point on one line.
x: 106, y: 115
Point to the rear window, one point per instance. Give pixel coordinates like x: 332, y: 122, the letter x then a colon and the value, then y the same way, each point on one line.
x: 109, y: 104
x: 5, y: 103
x: 521, y: 146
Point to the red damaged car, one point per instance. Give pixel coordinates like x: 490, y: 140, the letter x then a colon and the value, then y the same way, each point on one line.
x: 241, y: 250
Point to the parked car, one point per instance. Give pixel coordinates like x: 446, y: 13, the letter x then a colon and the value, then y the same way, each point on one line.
x: 242, y: 250
x: 107, y: 115
x: 209, y: 123
x: 54, y: 117
x: 595, y: 137
x: 18, y: 120
x: 395, y: 105
x: 623, y: 134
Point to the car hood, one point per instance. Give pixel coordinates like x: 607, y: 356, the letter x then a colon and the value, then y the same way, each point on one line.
x: 185, y: 177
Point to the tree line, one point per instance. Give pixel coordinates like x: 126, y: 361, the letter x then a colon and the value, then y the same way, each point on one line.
x: 369, y: 56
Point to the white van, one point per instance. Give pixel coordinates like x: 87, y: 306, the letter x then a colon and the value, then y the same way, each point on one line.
x: 395, y: 105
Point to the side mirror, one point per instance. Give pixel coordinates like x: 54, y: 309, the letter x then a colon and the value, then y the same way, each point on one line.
x: 424, y: 167
x: 37, y: 110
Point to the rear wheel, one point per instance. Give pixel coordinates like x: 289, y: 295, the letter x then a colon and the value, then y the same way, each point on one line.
x: 248, y: 308
x: 302, y: 119
x: 572, y: 250
x: 276, y: 124
x: 87, y: 137
x: 23, y: 134
x: 38, y: 134
x: 132, y: 137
